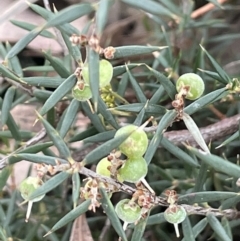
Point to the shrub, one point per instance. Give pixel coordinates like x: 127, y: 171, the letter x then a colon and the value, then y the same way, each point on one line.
x: 192, y: 175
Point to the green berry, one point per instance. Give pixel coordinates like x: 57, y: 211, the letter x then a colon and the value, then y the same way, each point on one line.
x: 133, y: 170
x: 128, y: 211
x: 136, y: 144
x: 82, y: 94
x: 102, y: 167
x: 105, y: 73
x: 175, y: 214
x: 28, y: 186
x: 195, y: 83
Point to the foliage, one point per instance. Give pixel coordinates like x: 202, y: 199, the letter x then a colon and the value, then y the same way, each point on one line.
x: 193, y: 174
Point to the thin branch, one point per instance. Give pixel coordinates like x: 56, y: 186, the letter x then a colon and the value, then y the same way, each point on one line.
x: 206, y: 8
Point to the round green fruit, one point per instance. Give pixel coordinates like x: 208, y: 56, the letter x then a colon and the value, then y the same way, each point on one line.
x: 195, y: 83
x: 83, y: 94
x: 105, y: 73
x: 128, y: 211
x: 133, y: 170
x: 102, y: 167
x: 28, y: 186
x: 175, y: 214
x: 136, y: 144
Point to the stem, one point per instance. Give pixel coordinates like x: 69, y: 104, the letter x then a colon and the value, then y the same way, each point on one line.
x: 30, y: 203
x: 145, y: 183
x: 176, y: 230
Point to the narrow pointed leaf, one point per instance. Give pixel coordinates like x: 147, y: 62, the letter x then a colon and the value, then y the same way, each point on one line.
x: 69, y: 117
x: 166, y: 83
x: 57, y: 65
x: 109, y: 210
x: 75, y: 188
x: 227, y: 228
x: 201, y: 177
x: 230, y: 202
x: 48, y: 82
x: 119, y: 70
x: 72, y: 215
x: 176, y: 151
x: 13, y: 127
x: 56, y: 139
x: 84, y: 134
x: 229, y: 140
x: 109, y: 118
x: 50, y: 184
x: 42, y: 95
x: 101, y: 15
x: 95, y: 119
x: 225, y: 79
x: 217, y: 227
x: 194, y: 130
x: 139, y: 229
x: 30, y: 27
x: 44, y: 68
x: 201, y: 197
x: 156, y: 219
x: 69, y: 14
x: 217, y: 163
x: 133, y: 50
x: 198, y: 228
x: 58, y: 94
x: 4, y: 174
x: 35, y: 158
x: 162, y: 126
x: 104, y: 149
x: 205, y: 100
x: 187, y: 230
x: 211, y: 74
x: 36, y: 148
x: 151, y: 109
x: 150, y: 7
x: 157, y: 96
x: 8, y: 73
x: 23, y: 42
x: 93, y: 70
x: 100, y: 137
x: 139, y: 119
x: 7, y: 104
x: 136, y: 87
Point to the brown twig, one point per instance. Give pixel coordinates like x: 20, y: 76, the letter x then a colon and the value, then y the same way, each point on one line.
x: 210, y: 133
x: 206, y: 8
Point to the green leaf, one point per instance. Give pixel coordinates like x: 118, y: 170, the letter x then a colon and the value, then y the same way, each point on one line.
x: 102, y: 12
x: 166, y: 83
x: 150, y: 7
x: 139, y: 119
x: 50, y: 160
x: 227, y: 228
x: 59, y: 93
x: 176, y: 151
x: 151, y: 109
x: 10, y: 210
x: 69, y: 14
x: 139, y: 229
x: 158, y: 95
x: 217, y: 227
x: 194, y: 130
x: 8, y: 73
x: 23, y: 42
x: 136, y: 87
x: 84, y: 134
x: 198, y: 228
x: 230, y: 202
x: 201, y: 197
x: 217, y: 163
x: 156, y: 219
x: 121, y: 69
x: 75, y: 188
x: 187, y: 230
x: 7, y: 104
x: 229, y: 140
x: 211, y: 74
x: 109, y: 118
x: 56, y: 139
x: 95, y: 119
x: 133, y: 50
x: 69, y: 117
x: 30, y: 27
x: 109, y: 210
x: 201, y: 177
x: 100, y: 137
x: 50, y: 185
x: 225, y: 79
x: 57, y: 65
x: 104, y: 149
x: 206, y: 100
x: 42, y: 95
x: 48, y: 82
x: 4, y: 174
x: 154, y: 143
x: 73, y: 214
x: 93, y: 71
